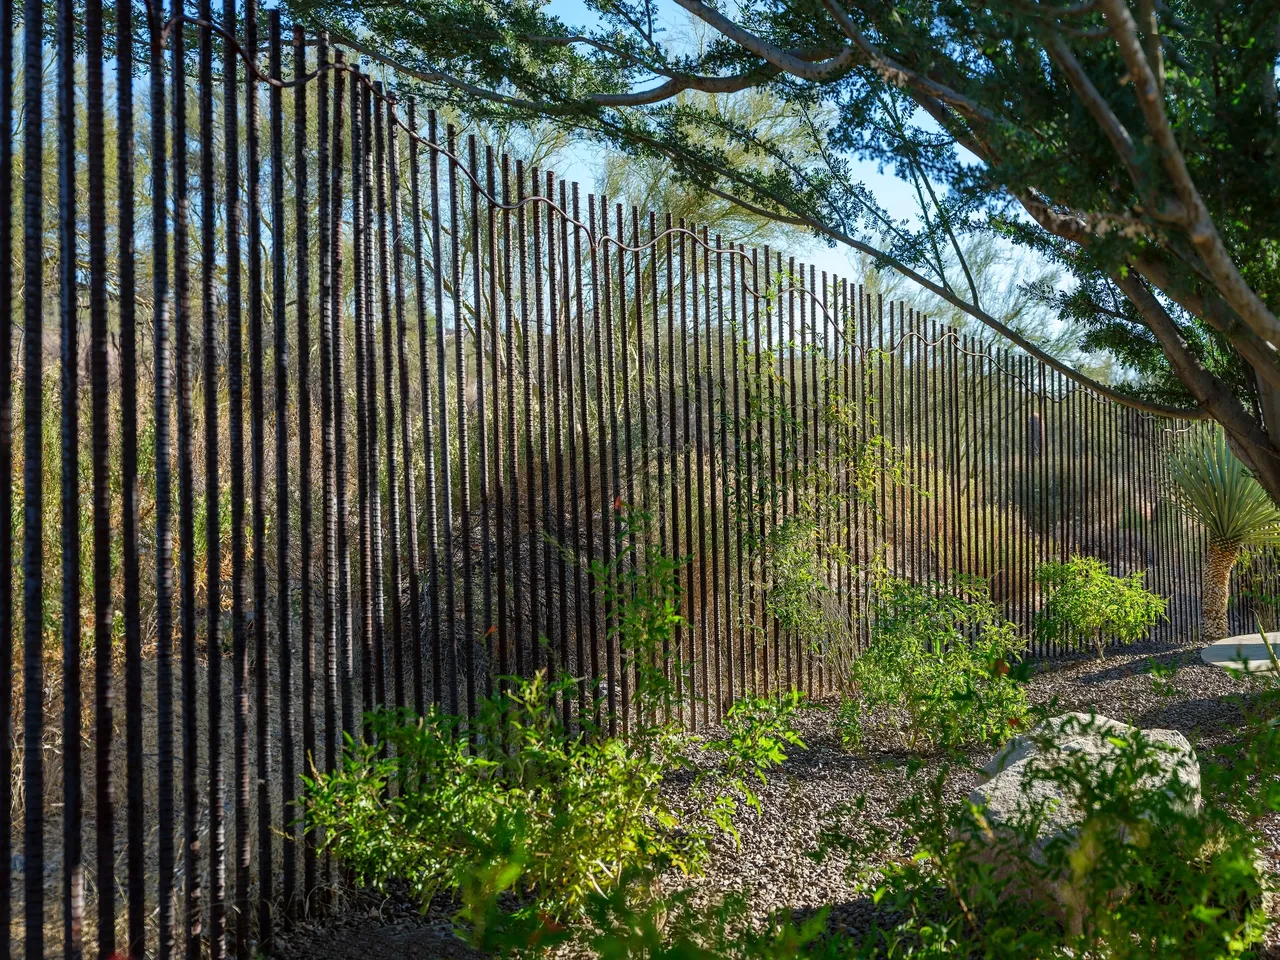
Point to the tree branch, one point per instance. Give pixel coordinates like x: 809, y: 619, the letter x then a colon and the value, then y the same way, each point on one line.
x: 978, y: 314
x: 1168, y: 209
x: 1212, y: 393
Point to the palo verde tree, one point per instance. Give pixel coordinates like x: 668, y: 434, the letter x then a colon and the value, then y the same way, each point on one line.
x: 1133, y: 143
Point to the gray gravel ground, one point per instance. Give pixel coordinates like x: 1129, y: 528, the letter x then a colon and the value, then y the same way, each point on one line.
x: 772, y: 863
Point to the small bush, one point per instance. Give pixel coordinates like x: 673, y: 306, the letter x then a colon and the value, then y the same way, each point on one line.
x: 942, y: 667
x: 574, y: 812
x: 516, y: 804
x: 1085, y: 601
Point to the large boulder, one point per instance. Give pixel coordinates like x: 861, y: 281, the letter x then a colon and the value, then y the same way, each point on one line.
x: 1017, y: 784
x: 1015, y: 781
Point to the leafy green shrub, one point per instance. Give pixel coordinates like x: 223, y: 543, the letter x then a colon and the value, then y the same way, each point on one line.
x: 1088, y: 602
x: 636, y: 920
x: 516, y: 803
x: 1141, y: 875
x: 796, y: 587
x: 942, y: 667
x: 757, y: 732
x: 572, y: 811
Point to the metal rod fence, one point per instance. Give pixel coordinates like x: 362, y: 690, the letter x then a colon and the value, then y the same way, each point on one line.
x: 562, y: 394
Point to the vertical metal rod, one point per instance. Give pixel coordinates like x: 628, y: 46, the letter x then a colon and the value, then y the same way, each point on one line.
x: 641, y: 370
x: 773, y: 488
x: 953, y: 403
x: 588, y: 494
x: 844, y: 361
x: 33, y: 480
x: 579, y: 600
x: 1024, y: 471
x: 918, y: 454
x: 995, y: 553
x: 464, y: 449
x: 257, y: 417
x: 329, y: 218
x: 406, y: 429
x: 305, y: 542
x: 280, y: 354
x: 397, y: 273
x: 699, y: 552
x: 495, y: 353
x: 611, y: 522
x: 369, y: 158
x: 689, y: 558
x: 629, y: 474
x: 482, y: 455
x: 542, y: 547
x: 706, y: 378
x: 672, y: 455
x: 737, y: 489
x: 517, y: 581
x: 661, y: 424
x: 992, y: 477
x: 556, y: 302
x: 969, y: 437
x: 163, y: 487
x: 877, y: 405
x: 645, y: 452
x: 129, y: 464
x: 1045, y: 524
x: 1002, y: 476
x: 426, y: 414
x: 235, y: 428
x: 104, y: 695
x: 723, y: 578
x: 823, y: 491
x: 362, y: 294
x: 893, y: 541
x: 383, y: 127
x: 73, y: 799
x: 938, y: 479
x: 526, y: 407
x: 186, y: 514
x: 938, y: 517
x: 790, y: 425
x: 867, y: 500
x: 823, y: 381
x: 1028, y: 491
x: 1062, y: 443
x: 337, y: 313
x: 73, y: 877
x: 755, y: 506
x: 446, y: 468
x: 595, y: 248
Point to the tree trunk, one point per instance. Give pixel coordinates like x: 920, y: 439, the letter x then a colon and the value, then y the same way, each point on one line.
x: 1217, y: 590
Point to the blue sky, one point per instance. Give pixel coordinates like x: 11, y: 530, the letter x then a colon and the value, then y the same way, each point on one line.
x: 892, y: 194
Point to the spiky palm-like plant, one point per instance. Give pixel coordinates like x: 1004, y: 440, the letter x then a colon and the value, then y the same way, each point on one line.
x: 1217, y: 491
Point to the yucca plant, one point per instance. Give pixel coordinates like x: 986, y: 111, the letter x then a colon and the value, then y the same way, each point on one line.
x: 1217, y: 491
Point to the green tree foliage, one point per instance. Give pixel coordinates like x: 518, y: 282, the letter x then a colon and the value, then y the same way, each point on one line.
x: 1085, y: 601
x: 1123, y: 144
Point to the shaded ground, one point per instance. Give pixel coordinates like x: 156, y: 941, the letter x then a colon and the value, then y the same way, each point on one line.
x: 772, y: 864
